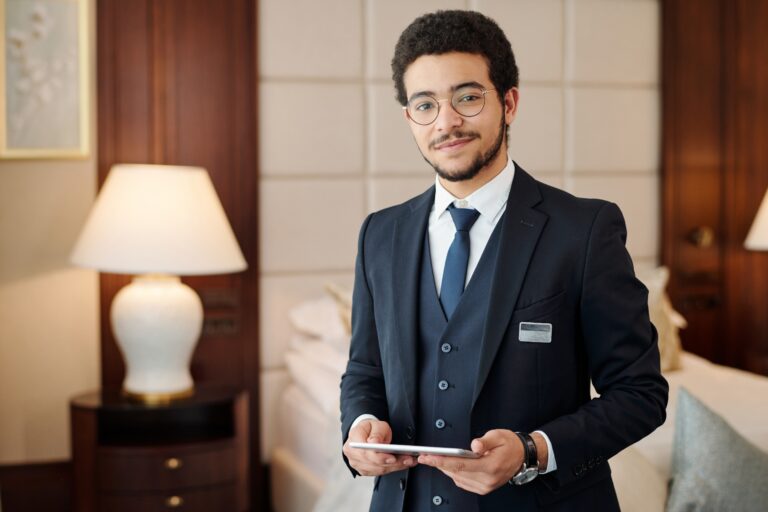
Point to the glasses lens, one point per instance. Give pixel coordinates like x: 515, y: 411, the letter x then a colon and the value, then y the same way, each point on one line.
x: 423, y: 110
x: 468, y: 101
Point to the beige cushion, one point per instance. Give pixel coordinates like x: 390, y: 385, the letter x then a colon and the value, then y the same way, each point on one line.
x: 639, y: 485
x: 343, y: 299
x: 667, y: 321
x: 713, y: 467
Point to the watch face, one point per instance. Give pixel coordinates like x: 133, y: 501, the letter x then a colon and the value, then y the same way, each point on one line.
x: 525, y: 476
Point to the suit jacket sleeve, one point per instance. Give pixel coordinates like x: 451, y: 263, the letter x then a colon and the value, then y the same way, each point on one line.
x: 362, y: 385
x: 622, y: 357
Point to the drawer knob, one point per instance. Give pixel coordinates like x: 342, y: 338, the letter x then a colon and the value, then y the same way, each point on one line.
x: 174, y: 502
x: 173, y: 463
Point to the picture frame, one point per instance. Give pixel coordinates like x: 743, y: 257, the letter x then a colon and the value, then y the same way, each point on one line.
x: 44, y: 79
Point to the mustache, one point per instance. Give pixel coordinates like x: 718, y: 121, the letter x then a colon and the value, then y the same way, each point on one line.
x: 458, y: 134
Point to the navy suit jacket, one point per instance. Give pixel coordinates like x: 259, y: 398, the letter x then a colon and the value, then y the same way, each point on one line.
x: 561, y: 260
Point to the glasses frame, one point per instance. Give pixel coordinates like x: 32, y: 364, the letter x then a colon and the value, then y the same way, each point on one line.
x: 483, y: 90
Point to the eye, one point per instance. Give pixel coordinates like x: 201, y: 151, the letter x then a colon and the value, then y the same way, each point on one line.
x: 423, y: 106
x: 468, y: 97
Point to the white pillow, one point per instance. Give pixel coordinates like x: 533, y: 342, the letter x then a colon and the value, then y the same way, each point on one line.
x: 322, y: 353
x: 317, y: 382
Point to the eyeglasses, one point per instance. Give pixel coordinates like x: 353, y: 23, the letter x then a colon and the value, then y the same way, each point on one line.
x: 466, y: 101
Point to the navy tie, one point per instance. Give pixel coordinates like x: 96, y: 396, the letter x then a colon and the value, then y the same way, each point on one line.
x: 455, y: 271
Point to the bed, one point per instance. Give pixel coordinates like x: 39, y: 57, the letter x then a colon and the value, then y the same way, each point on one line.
x: 308, y: 473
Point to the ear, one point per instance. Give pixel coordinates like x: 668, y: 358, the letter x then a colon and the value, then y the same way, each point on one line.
x: 405, y: 116
x: 510, y: 104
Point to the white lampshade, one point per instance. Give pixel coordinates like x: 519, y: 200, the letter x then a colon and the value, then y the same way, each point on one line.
x: 757, y: 239
x: 158, y: 219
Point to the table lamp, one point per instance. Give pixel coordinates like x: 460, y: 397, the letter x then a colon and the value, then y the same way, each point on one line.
x: 757, y: 239
x: 157, y: 222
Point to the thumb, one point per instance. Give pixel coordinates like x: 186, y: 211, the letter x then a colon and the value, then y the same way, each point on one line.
x: 489, y: 441
x: 380, y: 432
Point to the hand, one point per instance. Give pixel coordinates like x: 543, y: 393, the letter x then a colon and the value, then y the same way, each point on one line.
x: 369, y: 462
x: 502, y: 455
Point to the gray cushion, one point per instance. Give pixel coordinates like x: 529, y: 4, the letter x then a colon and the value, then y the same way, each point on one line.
x: 713, y: 467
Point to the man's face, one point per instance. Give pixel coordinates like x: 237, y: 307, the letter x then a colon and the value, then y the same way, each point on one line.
x: 459, y: 147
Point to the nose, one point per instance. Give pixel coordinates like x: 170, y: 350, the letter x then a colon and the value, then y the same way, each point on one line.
x: 447, y: 118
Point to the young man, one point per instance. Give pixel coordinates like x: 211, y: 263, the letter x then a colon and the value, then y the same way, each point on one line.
x: 484, y: 307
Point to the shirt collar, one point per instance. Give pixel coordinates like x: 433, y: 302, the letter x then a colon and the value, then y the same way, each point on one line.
x: 489, y: 200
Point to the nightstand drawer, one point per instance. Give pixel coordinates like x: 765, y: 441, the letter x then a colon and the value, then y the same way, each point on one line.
x: 167, y: 467
x: 218, y: 498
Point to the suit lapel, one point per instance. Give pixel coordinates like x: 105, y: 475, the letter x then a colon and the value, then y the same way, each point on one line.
x: 407, y: 248
x: 520, y: 231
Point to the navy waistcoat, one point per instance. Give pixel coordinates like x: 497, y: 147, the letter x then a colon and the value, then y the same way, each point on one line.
x: 449, y: 355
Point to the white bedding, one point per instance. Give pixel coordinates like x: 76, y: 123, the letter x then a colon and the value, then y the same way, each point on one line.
x: 304, y: 431
x: 738, y: 396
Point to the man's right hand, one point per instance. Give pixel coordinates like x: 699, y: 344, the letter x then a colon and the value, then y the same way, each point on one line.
x: 369, y: 462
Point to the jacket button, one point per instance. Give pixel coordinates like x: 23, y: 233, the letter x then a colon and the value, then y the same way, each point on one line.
x: 443, y: 385
x: 402, y: 484
x: 440, y: 423
x: 409, y: 432
x: 445, y: 347
x: 437, y: 500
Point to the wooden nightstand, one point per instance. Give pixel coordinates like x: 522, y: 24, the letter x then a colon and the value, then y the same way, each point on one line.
x: 189, y: 455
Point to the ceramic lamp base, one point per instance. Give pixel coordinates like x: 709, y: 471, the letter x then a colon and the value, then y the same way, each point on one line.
x: 157, y: 321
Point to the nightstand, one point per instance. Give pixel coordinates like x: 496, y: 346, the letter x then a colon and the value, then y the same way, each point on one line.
x: 190, y: 454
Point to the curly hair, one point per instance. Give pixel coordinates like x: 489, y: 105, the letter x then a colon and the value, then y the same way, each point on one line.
x: 455, y: 31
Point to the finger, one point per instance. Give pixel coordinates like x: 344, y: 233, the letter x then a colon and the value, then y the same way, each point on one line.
x: 388, y: 459
x: 478, y: 483
x: 367, y: 469
x: 456, y: 464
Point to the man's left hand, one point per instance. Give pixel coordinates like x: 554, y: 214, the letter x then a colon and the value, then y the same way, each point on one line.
x: 501, y: 458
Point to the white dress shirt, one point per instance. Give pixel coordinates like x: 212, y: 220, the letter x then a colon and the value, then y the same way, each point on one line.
x: 491, y: 201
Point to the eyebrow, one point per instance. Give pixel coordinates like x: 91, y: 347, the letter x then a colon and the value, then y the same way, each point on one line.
x: 453, y: 89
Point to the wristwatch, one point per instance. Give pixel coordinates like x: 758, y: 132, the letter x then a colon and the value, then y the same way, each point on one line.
x: 530, y: 468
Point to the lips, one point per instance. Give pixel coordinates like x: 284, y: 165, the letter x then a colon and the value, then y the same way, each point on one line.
x: 454, y: 144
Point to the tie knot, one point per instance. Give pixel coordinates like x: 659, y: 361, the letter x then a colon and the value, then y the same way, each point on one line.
x: 463, y: 218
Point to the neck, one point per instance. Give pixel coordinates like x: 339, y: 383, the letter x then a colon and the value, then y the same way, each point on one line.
x: 461, y: 189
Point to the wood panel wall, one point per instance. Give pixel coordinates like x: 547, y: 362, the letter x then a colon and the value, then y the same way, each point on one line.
x: 715, y: 173
x: 177, y: 85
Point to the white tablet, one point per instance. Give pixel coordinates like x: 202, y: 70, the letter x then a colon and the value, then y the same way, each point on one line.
x: 408, y: 449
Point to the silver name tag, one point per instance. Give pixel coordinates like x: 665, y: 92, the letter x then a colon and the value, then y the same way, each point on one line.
x: 533, y: 332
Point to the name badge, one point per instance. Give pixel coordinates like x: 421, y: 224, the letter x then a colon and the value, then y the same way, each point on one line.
x: 534, y: 332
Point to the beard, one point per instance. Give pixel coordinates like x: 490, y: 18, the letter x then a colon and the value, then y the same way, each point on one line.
x: 477, y: 165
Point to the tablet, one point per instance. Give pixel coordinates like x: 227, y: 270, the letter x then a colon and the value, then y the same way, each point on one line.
x: 407, y: 449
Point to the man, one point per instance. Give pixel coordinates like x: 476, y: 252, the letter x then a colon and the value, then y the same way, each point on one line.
x: 484, y: 307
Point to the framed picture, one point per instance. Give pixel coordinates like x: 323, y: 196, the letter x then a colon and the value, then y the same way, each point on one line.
x: 44, y: 79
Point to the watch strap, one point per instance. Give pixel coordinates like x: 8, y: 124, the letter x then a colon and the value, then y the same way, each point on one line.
x: 530, y: 467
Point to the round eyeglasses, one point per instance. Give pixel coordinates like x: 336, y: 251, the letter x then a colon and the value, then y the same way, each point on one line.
x: 466, y: 101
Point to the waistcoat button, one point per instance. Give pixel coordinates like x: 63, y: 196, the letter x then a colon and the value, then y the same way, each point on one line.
x: 446, y: 347
x: 437, y: 500
x: 443, y: 385
x: 440, y: 423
